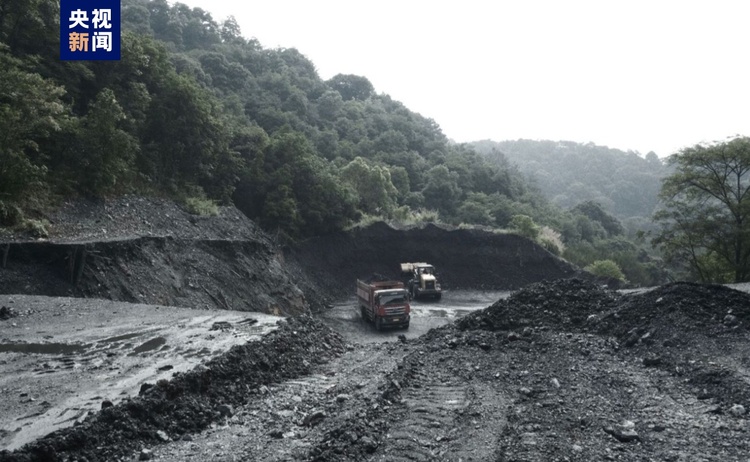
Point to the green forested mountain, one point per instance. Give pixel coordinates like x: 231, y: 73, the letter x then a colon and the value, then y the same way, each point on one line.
x: 195, y: 110
x: 624, y: 183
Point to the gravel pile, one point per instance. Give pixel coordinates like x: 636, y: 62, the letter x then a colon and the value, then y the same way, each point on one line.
x: 560, y: 304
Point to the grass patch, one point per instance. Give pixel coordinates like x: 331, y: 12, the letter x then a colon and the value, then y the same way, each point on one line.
x: 201, y: 206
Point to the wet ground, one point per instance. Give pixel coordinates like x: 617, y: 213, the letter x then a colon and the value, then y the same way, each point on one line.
x: 61, y: 359
x: 558, y: 371
x: 426, y: 314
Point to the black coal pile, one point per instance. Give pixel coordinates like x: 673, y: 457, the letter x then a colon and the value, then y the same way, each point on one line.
x: 695, y: 331
x: 560, y: 304
x: 192, y: 401
x: 552, y: 374
x: 376, y: 277
x: 675, y: 309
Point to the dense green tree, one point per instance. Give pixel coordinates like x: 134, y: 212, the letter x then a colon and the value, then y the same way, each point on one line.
x: 390, y: 141
x: 373, y: 186
x: 593, y: 211
x: 136, y: 16
x: 327, y: 144
x: 225, y: 75
x: 477, y: 209
x: 107, y: 152
x: 329, y: 105
x: 706, y: 216
x: 31, y: 110
x: 525, y: 226
x: 183, y: 135
x: 326, y: 204
x: 287, y: 187
x: 352, y: 86
x: 605, y: 268
x: 230, y: 30
x: 400, y: 180
x: 28, y: 27
x: 441, y: 191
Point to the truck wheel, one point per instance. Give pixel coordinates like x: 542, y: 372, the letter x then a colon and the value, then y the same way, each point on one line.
x: 405, y: 326
x: 363, y: 313
x: 438, y: 296
x: 378, y: 323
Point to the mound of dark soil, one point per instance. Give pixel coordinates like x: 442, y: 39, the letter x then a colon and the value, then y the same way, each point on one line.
x: 694, y: 331
x: 149, y: 250
x: 571, y: 385
x: 560, y: 304
x: 190, y: 402
x: 678, y: 309
x: 128, y: 217
x: 673, y: 310
x: 464, y: 258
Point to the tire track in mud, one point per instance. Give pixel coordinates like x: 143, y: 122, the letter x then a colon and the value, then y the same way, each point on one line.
x: 289, y: 419
x: 444, y: 413
x: 433, y: 404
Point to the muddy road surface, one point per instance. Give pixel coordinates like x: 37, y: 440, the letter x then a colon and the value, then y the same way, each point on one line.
x: 62, y: 359
x: 344, y: 316
x: 557, y: 371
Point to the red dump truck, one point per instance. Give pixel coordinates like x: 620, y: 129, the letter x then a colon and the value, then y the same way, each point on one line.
x: 384, y: 303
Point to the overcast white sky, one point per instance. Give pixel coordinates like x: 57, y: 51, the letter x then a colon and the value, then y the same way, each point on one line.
x: 633, y: 75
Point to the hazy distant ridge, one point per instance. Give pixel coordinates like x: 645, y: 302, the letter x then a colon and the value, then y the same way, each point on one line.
x: 624, y: 183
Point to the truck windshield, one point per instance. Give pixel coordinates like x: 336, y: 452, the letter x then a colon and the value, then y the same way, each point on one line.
x: 393, y: 299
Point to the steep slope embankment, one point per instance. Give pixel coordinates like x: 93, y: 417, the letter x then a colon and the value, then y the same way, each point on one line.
x: 465, y: 258
x: 152, y: 251
x: 146, y: 250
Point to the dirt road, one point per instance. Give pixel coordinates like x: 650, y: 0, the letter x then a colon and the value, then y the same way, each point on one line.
x: 341, y: 391
x: 557, y: 371
x: 344, y: 317
x: 547, y: 377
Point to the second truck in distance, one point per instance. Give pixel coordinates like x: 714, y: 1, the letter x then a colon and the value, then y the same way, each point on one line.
x: 421, y: 280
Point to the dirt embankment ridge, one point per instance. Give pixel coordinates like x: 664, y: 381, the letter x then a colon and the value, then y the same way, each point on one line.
x: 147, y: 250
x: 564, y: 370
x: 191, y: 401
x: 152, y: 251
x: 464, y: 258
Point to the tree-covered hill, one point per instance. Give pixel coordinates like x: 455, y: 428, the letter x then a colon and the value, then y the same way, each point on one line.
x: 624, y: 183
x: 197, y: 112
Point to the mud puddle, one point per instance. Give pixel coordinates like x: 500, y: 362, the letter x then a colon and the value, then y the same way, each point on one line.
x: 426, y: 314
x: 42, y: 348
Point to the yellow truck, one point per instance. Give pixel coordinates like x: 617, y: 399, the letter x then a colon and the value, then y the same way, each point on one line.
x: 421, y: 280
